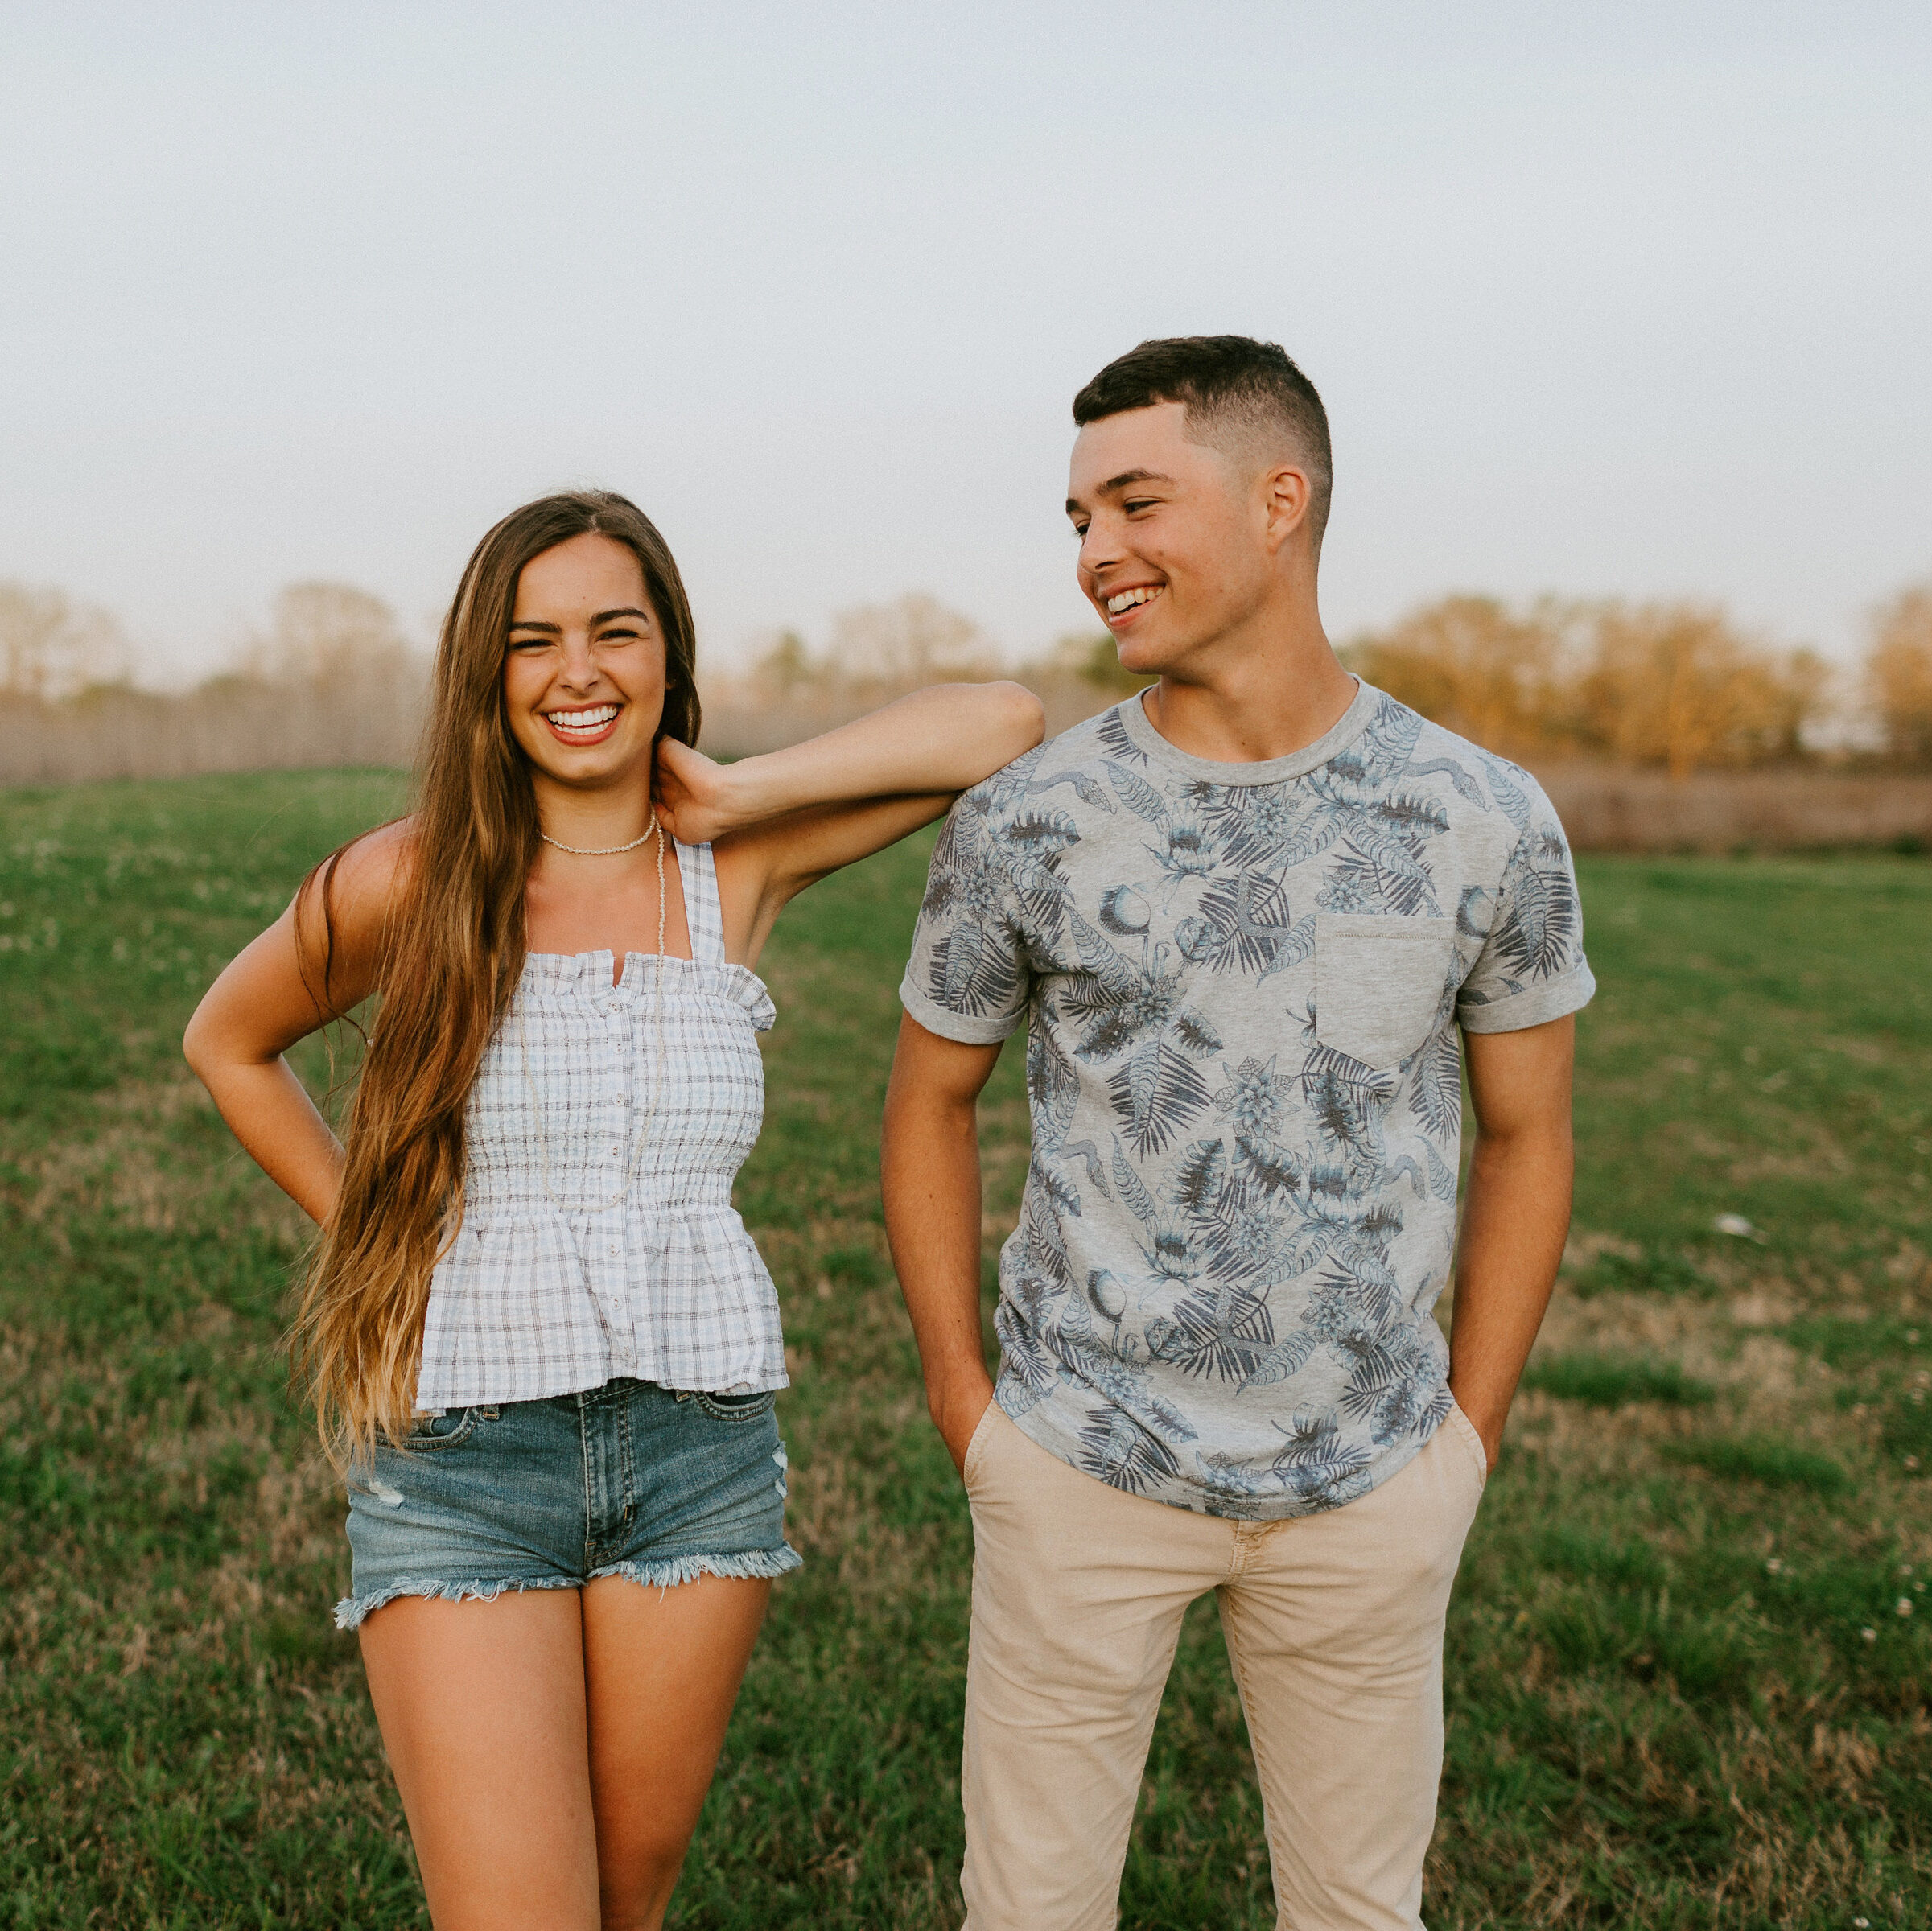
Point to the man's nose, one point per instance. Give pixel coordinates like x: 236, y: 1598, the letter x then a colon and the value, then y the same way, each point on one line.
x: 1098, y: 547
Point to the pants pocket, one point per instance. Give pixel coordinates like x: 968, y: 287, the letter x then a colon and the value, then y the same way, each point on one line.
x: 737, y: 1407
x: 976, y: 1448
x: 449, y: 1430
x: 1471, y: 1442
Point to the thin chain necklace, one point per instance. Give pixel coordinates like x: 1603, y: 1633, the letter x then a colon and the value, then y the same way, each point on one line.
x: 642, y: 1132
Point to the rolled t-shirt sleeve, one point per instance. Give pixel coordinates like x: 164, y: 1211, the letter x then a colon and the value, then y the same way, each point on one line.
x: 1531, y: 968
x: 967, y: 978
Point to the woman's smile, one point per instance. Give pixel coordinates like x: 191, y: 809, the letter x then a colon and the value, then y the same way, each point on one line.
x: 591, y: 725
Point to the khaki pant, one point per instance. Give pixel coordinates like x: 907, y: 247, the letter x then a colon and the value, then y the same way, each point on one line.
x: 1333, y: 1625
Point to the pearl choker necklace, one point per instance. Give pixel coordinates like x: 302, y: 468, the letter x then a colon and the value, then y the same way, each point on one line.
x: 603, y: 851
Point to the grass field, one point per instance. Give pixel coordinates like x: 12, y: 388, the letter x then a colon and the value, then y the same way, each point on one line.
x: 1688, y: 1653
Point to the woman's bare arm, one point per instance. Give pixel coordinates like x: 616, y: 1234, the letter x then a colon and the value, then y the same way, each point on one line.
x: 271, y: 995
x: 780, y: 822
x: 940, y: 739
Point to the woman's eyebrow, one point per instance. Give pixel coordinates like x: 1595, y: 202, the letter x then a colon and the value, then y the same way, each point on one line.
x: 603, y: 616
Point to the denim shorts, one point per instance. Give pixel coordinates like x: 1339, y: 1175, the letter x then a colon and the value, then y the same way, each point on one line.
x: 659, y: 1484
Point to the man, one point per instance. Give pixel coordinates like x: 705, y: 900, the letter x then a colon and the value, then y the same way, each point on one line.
x: 1245, y: 917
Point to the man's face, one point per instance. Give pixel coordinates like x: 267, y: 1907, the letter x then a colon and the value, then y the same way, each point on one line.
x: 1174, y: 549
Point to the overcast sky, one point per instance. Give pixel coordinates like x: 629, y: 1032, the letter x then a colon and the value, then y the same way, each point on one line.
x: 1625, y: 297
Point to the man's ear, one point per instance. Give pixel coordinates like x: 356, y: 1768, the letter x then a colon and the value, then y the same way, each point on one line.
x: 1285, y: 494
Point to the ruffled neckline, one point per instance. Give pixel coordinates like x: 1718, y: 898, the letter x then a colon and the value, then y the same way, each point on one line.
x: 587, y: 975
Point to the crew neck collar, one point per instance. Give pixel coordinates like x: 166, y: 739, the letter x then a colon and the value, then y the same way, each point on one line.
x: 1338, y: 737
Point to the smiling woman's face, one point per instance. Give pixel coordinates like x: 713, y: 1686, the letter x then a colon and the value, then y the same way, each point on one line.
x: 583, y: 672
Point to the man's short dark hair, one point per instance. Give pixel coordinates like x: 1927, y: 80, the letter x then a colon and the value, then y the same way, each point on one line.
x: 1242, y: 396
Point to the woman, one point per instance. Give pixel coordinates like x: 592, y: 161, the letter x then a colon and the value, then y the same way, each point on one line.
x: 542, y: 1344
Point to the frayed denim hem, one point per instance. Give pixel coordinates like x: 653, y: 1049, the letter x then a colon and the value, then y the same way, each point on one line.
x: 354, y: 1610
x: 754, y: 1564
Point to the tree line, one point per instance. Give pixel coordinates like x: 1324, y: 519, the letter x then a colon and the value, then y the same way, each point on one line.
x: 1677, y: 687
x: 1674, y: 686
x: 331, y: 678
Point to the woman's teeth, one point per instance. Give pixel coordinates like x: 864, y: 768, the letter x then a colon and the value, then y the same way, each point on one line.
x: 593, y: 719
x: 1127, y: 598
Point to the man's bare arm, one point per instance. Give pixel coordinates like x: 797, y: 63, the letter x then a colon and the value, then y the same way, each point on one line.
x: 929, y: 1173
x: 1515, y: 1217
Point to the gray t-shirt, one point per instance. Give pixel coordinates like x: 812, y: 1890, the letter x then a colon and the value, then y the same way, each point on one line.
x: 1243, y: 983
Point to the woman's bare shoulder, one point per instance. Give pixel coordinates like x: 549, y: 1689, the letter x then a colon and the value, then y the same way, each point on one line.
x: 366, y: 881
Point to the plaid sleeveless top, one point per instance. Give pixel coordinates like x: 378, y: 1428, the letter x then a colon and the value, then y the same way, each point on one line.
x: 598, y: 1237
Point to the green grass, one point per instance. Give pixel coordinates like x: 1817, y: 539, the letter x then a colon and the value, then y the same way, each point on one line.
x: 1681, y: 1689
x: 1763, y: 1458
x: 1609, y: 1381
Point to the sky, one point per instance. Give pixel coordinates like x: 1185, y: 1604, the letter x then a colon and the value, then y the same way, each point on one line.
x: 1626, y: 299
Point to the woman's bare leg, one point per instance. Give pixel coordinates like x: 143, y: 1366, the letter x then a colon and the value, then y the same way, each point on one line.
x: 662, y: 1669
x: 482, y: 1710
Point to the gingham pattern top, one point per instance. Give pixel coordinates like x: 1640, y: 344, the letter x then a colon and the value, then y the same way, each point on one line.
x: 547, y: 1290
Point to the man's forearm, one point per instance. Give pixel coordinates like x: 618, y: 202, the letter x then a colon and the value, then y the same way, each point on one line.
x: 929, y: 1172
x: 1513, y: 1224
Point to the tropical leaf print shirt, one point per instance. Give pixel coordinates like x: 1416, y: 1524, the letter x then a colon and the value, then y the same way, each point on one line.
x: 1243, y: 984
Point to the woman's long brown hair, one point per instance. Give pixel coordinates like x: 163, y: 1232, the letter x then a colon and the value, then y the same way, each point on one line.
x: 451, y: 956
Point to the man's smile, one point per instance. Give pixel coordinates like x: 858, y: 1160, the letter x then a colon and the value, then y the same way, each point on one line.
x: 1122, y: 603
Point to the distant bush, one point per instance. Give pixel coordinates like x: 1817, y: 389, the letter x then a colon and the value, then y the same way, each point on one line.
x: 1674, y: 685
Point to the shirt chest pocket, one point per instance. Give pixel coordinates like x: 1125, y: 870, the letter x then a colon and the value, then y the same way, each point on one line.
x: 1379, y: 983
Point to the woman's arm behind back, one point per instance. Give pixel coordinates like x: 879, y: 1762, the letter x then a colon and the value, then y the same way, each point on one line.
x: 284, y: 985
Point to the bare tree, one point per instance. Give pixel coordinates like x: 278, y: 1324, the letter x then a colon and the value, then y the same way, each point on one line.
x: 913, y: 641
x: 332, y: 681
x: 51, y: 647
x: 1898, y: 675
x: 334, y: 637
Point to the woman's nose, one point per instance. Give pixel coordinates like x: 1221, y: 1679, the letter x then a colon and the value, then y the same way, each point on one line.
x: 579, y: 666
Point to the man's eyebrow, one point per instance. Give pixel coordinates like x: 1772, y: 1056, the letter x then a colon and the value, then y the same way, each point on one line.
x: 1114, y: 485
x: 603, y: 616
